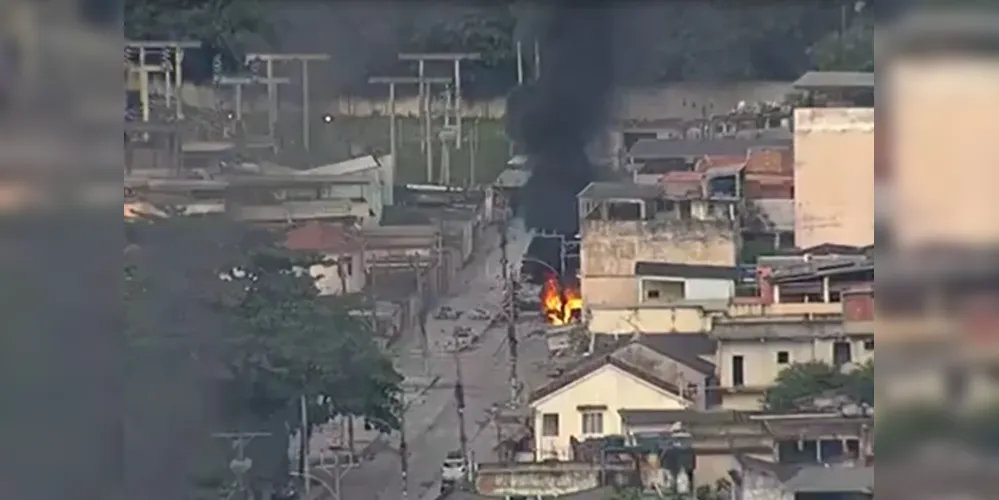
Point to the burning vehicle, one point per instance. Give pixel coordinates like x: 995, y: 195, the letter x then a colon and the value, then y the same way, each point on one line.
x: 560, y: 304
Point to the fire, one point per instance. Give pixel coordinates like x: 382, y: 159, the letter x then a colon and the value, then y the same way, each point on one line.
x: 558, y: 303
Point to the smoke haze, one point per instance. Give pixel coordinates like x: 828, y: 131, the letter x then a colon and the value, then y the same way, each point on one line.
x: 556, y: 117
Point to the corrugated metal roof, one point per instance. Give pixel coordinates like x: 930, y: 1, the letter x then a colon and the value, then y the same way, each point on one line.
x: 652, y: 149
x: 835, y: 79
x: 620, y: 190
x: 512, y: 178
x: 832, y: 479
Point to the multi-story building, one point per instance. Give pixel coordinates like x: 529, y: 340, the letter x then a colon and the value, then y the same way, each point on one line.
x: 834, y: 161
x: 638, y: 243
x: 803, y: 321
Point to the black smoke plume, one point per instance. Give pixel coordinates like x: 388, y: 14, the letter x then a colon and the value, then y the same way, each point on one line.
x: 554, y: 118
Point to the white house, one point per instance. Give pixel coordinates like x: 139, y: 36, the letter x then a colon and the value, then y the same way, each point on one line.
x: 655, y: 372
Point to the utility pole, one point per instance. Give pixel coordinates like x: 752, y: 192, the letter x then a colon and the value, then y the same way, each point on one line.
x: 445, y: 137
x: 303, y: 464
x: 241, y: 464
x: 456, y: 59
x: 537, y: 59
x: 238, y: 82
x: 392, y: 82
x: 520, y: 62
x: 272, y: 98
x: 510, y: 303
x: 459, y: 398
x: 177, y: 47
x: 404, y: 452
x: 473, y: 150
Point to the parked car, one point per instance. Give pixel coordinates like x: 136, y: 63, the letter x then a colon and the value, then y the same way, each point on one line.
x: 454, y: 467
x: 480, y: 314
x: 447, y: 312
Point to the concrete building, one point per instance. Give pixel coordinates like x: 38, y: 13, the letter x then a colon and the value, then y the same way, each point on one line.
x: 662, y: 283
x: 800, y: 318
x: 622, y: 224
x: 834, y: 176
x: 345, y: 271
x: 653, y: 371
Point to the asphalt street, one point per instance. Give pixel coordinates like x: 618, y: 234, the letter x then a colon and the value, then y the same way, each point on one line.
x: 432, y: 423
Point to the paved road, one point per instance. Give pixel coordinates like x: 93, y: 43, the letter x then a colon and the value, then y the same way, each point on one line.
x: 432, y: 425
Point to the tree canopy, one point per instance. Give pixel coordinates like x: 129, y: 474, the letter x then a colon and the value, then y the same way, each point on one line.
x: 233, y: 328
x: 798, y: 385
x: 655, y: 42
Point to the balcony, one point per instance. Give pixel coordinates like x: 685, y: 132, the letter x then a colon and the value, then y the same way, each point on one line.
x: 801, y: 309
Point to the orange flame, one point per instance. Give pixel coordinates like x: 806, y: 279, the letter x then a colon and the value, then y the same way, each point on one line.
x: 559, y: 304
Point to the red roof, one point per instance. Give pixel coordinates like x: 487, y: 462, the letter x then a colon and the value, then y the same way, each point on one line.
x: 322, y: 237
x: 714, y: 161
x: 682, y: 176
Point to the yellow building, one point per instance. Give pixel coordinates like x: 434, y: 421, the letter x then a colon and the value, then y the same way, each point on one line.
x: 626, y: 227
x: 655, y: 372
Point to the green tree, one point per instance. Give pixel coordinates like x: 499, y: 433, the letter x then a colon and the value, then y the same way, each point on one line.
x: 236, y: 301
x: 222, y: 25
x: 797, y: 385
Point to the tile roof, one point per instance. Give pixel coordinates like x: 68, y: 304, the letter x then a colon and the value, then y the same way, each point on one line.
x: 593, y: 363
x: 712, y: 161
x: 322, y: 237
x: 650, y: 149
x: 685, y: 348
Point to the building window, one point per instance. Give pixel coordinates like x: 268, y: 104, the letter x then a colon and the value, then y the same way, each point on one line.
x: 549, y: 425
x: 738, y: 373
x: 593, y: 422
x: 869, y: 345
x: 691, y: 391
x: 783, y: 357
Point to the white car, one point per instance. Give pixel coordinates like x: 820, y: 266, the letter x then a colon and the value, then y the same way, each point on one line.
x: 479, y: 314
x: 454, y: 467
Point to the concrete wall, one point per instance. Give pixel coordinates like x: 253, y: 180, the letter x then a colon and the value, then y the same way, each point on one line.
x: 536, y: 479
x: 834, y: 176
x: 942, y: 114
x: 610, y: 250
x: 624, y: 321
x: 609, y: 387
